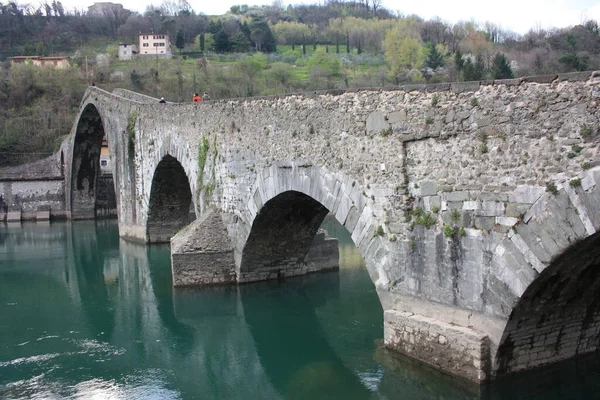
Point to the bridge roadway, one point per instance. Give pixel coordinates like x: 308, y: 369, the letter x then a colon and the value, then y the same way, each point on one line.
x: 475, y: 205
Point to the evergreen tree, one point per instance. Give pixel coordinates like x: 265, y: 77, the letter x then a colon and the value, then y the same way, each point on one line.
x: 458, y: 61
x: 202, y: 42
x: 478, y: 68
x: 179, y: 41
x: 501, y: 68
x: 468, y: 70
x: 221, y: 39
x: 435, y: 59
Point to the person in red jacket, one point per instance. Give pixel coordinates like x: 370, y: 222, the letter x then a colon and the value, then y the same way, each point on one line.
x: 196, y: 98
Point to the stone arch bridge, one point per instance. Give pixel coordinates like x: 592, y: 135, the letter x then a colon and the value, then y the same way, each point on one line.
x: 475, y: 205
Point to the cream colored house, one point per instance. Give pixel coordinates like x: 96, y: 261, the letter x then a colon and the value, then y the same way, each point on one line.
x: 154, y: 45
x: 58, y: 62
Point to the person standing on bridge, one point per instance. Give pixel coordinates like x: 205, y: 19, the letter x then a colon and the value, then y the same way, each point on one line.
x: 162, y: 100
x: 206, y: 97
x: 196, y: 98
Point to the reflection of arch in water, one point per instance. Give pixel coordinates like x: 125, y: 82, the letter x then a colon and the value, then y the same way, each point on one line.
x: 91, y: 248
x: 292, y: 348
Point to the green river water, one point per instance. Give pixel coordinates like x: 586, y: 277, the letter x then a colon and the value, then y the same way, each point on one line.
x: 86, y: 315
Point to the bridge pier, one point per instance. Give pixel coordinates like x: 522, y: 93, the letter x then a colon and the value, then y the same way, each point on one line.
x: 202, y: 254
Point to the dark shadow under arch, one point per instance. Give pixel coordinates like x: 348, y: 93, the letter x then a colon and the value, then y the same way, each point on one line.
x: 85, y: 167
x: 558, y: 316
x: 282, y: 233
x: 170, y: 201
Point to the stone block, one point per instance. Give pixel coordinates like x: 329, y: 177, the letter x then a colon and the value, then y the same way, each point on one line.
x: 376, y: 123
x: 397, y: 117
x: 428, y: 188
x: 456, y: 196
x: 461, y: 87
x: 42, y: 215
x: 516, y: 210
x: 485, y: 223
x: 526, y: 194
x: 471, y: 205
x: 491, y: 209
x: 13, y: 216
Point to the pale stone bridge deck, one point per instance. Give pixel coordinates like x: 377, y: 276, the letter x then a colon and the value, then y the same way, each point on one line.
x: 476, y: 206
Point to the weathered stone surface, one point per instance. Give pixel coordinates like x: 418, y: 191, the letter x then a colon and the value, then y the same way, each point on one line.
x: 201, y: 254
x: 493, y: 153
x: 451, y: 348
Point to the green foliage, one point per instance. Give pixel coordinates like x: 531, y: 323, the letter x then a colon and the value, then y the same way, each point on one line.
x: 501, y: 68
x: 37, y: 108
x: 202, y: 154
x: 435, y: 59
x: 131, y: 121
x: 474, y: 101
x: 575, y: 182
x: 585, y: 131
x: 420, y: 217
x: 326, y: 62
x: 428, y: 121
x: 378, y: 231
x: 386, y: 132
x: 455, y: 215
x: 586, y: 165
x: 551, y: 188
x: 449, y: 231
x: 435, y: 100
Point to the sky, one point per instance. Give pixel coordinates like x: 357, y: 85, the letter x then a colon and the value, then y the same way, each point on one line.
x: 513, y: 15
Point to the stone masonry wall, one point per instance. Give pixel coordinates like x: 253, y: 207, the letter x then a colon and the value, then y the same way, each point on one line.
x: 457, y: 195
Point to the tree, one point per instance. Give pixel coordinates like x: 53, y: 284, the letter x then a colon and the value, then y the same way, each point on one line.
x: 179, y: 41
x: 458, y: 61
x: 262, y: 36
x: 221, y: 42
x: 402, y: 53
x: 501, y: 68
x: 435, y: 59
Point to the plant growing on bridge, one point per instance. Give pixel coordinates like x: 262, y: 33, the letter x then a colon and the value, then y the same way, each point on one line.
x: 575, y: 182
x: 378, y: 231
x: 551, y: 188
x: 202, y: 153
x: 422, y: 218
x: 131, y: 121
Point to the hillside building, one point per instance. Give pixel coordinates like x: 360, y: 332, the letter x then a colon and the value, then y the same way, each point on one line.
x: 151, y: 44
x: 58, y: 62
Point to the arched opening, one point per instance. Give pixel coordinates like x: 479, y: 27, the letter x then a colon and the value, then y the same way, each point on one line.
x: 558, y: 316
x: 281, y: 236
x: 170, y: 201
x: 85, y: 168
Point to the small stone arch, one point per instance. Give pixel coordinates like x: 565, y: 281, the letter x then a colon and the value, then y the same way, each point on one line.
x: 170, y: 201
x: 85, y: 163
x: 293, y: 198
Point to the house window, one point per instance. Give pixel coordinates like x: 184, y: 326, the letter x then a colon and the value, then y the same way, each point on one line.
x: 144, y: 37
x: 103, y: 163
x: 145, y: 45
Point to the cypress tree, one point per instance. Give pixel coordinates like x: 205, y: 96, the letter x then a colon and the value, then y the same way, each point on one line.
x: 501, y: 68
x: 458, y: 61
x: 435, y: 59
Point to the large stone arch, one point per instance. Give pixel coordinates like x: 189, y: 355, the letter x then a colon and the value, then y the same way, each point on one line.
x: 286, y: 206
x: 170, y: 200
x: 85, y: 163
x: 550, y: 264
x: 558, y: 316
